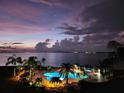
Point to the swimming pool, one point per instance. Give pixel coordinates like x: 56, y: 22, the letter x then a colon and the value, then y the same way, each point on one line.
x: 50, y: 75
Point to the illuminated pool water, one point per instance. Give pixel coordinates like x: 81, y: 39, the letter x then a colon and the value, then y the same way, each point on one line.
x: 50, y: 75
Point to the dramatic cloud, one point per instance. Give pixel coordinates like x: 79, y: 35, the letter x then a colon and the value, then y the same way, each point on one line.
x: 120, y: 37
x: 21, y: 11
x: 17, y: 43
x: 104, y: 16
x: 121, y: 34
x: 67, y: 4
x: 49, y: 2
x: 99, y: 22
x: 18, y: 18
x: 16, y: 28
x: 73, y: 30
x: 99, y: 38
x: 108, y: 14
x: 31, y: 21
x: 47, y: 40
x: 11, y: 43
x: 42, y: 46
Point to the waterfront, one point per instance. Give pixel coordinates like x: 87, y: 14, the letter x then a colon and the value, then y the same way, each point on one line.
x: 55, y: 59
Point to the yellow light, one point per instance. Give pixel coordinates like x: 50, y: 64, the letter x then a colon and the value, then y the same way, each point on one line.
x: 16, y: 78
x: 49, y: 84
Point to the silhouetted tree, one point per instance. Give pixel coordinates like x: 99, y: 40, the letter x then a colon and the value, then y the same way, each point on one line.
x: 19, y: 60
x: 32, y: 62
x: 113, y: 45
x: 13, y: 60
x: 65, y: 70
x: 106, y: 67
x: 43, y: 61
x: 120, y: 52
x: 55, y: 79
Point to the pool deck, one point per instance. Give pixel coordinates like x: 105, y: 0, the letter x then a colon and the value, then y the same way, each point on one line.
x: 96, y: 78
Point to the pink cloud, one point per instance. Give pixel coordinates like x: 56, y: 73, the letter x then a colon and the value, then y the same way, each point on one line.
x: 8, y: 27
x: 67, y: 4
x: 50, y: 2
x: 29, y: 42
x: 121, y: 34
x: 120, y: 37
x: 22, y: 11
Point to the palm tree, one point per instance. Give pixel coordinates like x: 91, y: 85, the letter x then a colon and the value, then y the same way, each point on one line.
x: 106, y: 67
x: 65, y: 70
x: 55, y: 79
x: 13, y: 60
x: 43, y: 61
x: 113, y: 45
x: 32, y: 62
x: 19, y: 60
x: 77, y: 70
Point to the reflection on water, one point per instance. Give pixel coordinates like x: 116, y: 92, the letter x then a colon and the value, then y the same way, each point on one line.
x: 55, y: 59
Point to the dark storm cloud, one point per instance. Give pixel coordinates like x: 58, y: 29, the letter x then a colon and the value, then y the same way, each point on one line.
x: 109, y: 15
x: 71, y: 30
x: 75, y: 30
x: 99, y: 38
x: 105, y: 16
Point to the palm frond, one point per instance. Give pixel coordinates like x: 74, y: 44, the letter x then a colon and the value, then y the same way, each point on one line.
x: 8, y: 63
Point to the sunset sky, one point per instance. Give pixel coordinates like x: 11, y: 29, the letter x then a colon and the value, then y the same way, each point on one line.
x: 24, y: 23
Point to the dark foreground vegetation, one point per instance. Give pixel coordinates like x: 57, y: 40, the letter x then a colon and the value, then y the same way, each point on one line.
x: 116, y: 85
x: 113, y: 86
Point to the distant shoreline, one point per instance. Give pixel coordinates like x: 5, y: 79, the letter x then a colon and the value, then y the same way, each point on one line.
x: 59, y: 52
